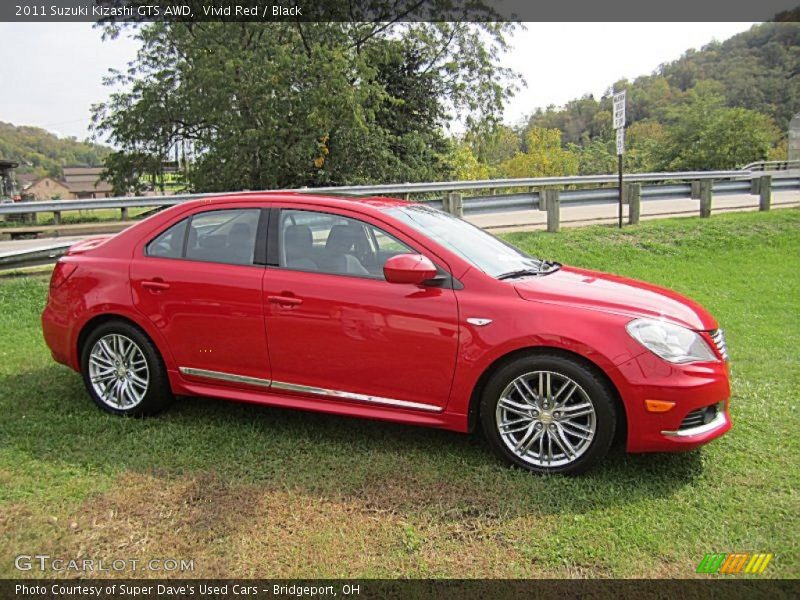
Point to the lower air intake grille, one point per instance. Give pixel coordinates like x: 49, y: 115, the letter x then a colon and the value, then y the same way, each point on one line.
x: 699, y: 417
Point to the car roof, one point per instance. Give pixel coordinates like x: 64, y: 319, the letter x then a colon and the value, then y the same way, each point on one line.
x: 310, y: 198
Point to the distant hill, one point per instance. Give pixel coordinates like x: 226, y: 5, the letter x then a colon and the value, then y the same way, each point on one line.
x: 40, y: 152
x: 758, y: 69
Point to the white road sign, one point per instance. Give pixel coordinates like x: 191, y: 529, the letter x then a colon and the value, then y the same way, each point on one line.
x: 620, y: 141
x: 619, y: 109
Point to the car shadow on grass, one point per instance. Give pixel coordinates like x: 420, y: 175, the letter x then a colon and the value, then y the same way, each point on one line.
x: 46, y: 415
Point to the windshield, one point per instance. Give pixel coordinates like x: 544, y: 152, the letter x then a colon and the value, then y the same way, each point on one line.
x: 489, y: 254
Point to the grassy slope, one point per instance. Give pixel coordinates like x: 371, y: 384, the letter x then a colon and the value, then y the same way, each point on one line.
x: 252, y: 491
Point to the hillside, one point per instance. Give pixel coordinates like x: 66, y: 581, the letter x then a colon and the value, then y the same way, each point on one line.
x: 720, y: 107
x: 758, y: 70
x: 42, y: 153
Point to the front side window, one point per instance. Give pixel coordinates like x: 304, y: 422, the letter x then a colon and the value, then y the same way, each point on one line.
x: 328, y: 243
x: 221, y: 236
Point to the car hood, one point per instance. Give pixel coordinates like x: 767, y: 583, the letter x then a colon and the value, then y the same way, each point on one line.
x: 594, y: 290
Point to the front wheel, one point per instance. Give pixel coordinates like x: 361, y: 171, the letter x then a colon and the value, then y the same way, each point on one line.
x: 548, y: 414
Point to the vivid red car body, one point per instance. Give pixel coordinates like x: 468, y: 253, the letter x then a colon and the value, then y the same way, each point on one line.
x: 383, y: 309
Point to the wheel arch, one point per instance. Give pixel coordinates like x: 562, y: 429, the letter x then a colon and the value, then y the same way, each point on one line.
x: 99, y: 319
x: 477, y: 391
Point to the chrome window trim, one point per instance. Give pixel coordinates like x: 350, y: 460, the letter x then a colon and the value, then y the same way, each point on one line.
x: 716, y: 423
x: 225, y: 376
x: 307, y: 389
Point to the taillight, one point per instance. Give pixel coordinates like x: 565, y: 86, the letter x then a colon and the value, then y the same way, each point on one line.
x: 61, y: 273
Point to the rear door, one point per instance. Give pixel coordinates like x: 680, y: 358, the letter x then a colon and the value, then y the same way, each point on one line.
x: 199, y: 282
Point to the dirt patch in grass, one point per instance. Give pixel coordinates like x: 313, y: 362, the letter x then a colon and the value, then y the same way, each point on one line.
x: 234, y: 530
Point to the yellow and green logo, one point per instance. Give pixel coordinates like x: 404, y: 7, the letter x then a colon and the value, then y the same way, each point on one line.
x: 734, y: 563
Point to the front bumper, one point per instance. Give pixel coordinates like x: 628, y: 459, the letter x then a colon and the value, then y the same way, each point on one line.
x: 690, y: 387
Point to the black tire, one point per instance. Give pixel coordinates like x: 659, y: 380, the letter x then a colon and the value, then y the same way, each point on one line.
x: 560, y: 428
x: 147, y: 400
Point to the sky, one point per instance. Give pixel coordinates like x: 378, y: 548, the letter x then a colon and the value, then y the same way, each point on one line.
x: 55, y: 74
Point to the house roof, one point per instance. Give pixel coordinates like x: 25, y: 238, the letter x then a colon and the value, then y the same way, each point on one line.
x: 85, y: 180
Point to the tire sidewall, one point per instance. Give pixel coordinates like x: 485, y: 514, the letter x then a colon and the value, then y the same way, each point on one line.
x: 599, y: 395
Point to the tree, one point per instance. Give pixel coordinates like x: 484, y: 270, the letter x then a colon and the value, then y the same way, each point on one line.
x: 596, y: 157
x: 288, y: 104
x: 644, y: 152
x: 544, y: 156
x: 464, y: 166
x: 706, y: 135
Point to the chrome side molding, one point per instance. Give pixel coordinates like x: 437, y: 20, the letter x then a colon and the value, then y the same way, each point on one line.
x: 307, y: 389
x: 219, y: 375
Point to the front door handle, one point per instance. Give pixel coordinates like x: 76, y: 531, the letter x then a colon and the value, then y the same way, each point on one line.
x: 155, y: 285
x: 285, y: 300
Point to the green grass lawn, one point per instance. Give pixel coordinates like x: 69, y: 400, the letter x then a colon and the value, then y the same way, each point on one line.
x: 253, y: 491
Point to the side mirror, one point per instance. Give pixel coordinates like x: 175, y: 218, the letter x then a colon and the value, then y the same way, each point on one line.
x: 409, y: 268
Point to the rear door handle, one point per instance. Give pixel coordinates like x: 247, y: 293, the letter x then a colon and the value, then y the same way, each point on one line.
x: 285, y: 300
x: 155, y: 285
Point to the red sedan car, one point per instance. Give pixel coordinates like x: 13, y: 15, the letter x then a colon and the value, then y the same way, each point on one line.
x: 385, y: 309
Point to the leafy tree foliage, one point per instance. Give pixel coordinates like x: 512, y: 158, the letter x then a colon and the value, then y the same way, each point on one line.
x: 289, y: 104
x: 544, y: 156
x: 707, y: 135
x: 720, y: 107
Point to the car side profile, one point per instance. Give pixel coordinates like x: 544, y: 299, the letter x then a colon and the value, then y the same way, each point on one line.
x: 385, y: 309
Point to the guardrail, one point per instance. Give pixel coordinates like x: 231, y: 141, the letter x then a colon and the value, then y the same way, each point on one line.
x: 521, y: 194
x: 772, y: 165
x: 404, y: 189
x: 542, y: 198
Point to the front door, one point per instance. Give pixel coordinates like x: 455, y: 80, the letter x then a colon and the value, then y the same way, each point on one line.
x: 197, y: 282
x: 337, y: 329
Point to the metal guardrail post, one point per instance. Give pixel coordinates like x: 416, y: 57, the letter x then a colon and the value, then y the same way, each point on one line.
x: 764, y: 192
x: 553, y: 204
x: 634, y: 195
x: 705, y: 198
x: 695, y: 189
x: 124, y: 213
x: 542, y: 199
x: 455, y: 204
x: 56, y: 217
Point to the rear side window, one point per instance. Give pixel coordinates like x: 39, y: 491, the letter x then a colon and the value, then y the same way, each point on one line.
x: 221, y: 236
x: 170, y: 243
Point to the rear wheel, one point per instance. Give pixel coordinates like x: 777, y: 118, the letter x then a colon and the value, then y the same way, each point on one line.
x: 123, y: 371
x: 548, y: 414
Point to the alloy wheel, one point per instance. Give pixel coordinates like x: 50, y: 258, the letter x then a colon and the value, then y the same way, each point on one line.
x: 118, y: 371
x: 546, y: 419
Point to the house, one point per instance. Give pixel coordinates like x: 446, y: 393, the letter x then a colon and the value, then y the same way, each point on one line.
x: 47, y: 188
x: 85, y: 182
x: 25, y: 179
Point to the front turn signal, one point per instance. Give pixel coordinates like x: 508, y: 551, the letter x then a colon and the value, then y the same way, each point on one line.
x: 658, y: 406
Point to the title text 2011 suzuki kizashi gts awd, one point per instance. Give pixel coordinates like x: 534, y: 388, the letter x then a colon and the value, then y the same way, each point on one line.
x: 384, y: 309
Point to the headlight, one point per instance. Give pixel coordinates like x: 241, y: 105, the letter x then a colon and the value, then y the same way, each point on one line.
x: 671, y: 342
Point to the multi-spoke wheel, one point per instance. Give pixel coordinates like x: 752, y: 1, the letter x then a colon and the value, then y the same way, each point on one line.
x: 123, y: 371
x: 549, y: 414
x: 118, y: 371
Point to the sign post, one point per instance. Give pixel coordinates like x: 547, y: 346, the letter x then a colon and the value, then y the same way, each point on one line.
x: 619, y: 125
